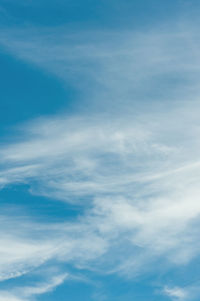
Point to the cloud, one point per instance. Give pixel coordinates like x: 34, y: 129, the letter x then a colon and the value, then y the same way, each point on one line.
x: 141, y: 191
x: 187, y: 292
x: 20, y: 250
x: 27, y: 293
x: 125, y: 67
x: 176, y: 293
x: 26, y: 245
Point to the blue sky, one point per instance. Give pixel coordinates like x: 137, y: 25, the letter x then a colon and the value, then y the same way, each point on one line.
x: 99, y: 150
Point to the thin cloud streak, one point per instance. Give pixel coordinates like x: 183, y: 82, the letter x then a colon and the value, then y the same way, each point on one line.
x: 28, y: 293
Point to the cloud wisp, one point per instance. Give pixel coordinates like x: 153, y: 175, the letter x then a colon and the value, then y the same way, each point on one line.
x: 29, y: 293
x: 176, y: 293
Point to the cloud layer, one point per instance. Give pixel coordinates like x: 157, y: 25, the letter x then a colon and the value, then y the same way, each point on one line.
x: 135, y: 172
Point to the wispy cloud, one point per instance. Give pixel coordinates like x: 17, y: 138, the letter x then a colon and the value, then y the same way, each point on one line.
x: 187, y: 292
x: 176, y: 293
x: 124, y: 67
x: 27, y: 293
x: 140, y: 189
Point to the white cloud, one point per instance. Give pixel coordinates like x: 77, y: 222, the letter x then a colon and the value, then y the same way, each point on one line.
x: 190, y: 291
x: 114, y: 69
x: 25, y: 246
x: 176, y: 293
x: 27, y: 293
x: 142, y: 191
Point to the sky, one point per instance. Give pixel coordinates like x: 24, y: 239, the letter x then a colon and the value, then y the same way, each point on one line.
x: 99, y: 150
